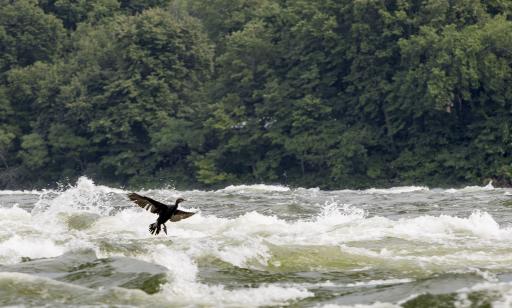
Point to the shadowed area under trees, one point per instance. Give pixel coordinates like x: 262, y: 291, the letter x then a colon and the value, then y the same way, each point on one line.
x: 207, y: 93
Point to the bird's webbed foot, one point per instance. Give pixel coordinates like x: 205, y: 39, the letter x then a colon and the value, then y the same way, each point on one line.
x: 153, y: 228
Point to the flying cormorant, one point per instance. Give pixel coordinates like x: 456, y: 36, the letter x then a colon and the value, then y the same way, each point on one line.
x: 165, y: 212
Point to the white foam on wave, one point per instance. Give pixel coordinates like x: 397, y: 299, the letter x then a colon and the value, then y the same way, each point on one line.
x: 85, y: 184
x: 17, y: 221
x: 253, y: 188
x: 396, y: 190
x: 13, y: 214
x: 279, y: 188
x: 218, y: 296
x: 486, y: 275
x: 373, y: 305
x: 501, y: 290
x: 246, y: 241
x: 439, y: 228
x: 384, y: 191
x: 379, y: 282
x: 239, y: 255
x: 21, y: 192
x: 84, y: 196
x: 32, y: 247
x: 334, y: 213
x: 35, y: 236
x: 184, y: 288
x: 243, y: 241
x: 309, y: 190
x: 469, y: 189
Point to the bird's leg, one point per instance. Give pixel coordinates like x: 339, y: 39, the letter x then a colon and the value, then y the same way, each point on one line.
x: 165, y: 229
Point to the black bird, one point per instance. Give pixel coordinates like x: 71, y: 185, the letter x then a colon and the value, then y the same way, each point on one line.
x: 165, y: 212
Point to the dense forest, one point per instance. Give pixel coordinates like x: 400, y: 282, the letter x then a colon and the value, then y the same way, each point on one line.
x: 193, y: 93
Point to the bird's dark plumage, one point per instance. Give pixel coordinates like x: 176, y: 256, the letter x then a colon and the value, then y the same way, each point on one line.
x: 165, y: 212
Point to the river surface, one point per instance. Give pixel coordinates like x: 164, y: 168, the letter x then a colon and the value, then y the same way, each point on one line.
x: 258, y: 245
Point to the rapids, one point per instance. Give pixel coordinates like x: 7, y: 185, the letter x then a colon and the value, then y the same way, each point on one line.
x: 259, y: 245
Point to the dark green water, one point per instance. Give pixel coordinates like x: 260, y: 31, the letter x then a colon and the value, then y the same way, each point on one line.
x: 259, y: 246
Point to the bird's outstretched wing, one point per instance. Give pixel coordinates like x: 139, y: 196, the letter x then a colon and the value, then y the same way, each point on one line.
x: 179, y: 215
x: 147, y: 203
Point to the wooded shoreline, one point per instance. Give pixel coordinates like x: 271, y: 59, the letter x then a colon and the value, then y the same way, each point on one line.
x: 200, y: 94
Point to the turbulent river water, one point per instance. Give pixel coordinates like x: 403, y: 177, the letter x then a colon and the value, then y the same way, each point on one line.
x: 259, y: 245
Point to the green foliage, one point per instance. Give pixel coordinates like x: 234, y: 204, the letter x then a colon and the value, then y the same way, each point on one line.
x: 209, y: 174
x: 27, y: 34
x: 34, y: 151
x: 6, y: 139
x: 146, y: 88
x: 73, y: 12
x: 138, y: 6
x: 316, y: 93
x: 223, y: 17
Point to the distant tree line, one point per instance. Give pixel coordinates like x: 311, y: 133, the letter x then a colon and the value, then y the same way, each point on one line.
x: 194, y: 93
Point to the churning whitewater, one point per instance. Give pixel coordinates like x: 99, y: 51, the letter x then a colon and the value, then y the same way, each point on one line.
x: 258, y: 245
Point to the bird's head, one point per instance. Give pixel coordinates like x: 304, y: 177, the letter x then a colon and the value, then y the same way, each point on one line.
x: 179, y: 200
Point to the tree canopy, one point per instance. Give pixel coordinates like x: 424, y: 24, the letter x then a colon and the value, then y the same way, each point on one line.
x: 306, y: 92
